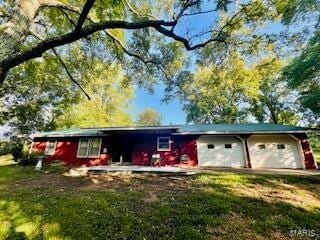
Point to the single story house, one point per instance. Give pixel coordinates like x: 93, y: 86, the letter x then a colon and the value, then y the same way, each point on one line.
x: 219, y: 145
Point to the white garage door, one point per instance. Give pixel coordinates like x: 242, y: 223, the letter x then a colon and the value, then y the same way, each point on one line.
x: 277, y: 151
x: 220, y: 151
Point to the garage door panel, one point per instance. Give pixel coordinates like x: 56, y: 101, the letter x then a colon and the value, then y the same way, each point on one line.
x: 271, y: 156
x: 220, y: 156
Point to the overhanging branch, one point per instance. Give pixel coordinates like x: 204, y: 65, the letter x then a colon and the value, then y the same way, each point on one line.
x: 84, y: 13
x: 69, y: 74
x: 64, y: 66
x: 37, y: 51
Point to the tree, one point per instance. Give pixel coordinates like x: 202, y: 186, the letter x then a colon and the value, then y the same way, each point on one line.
x: 236, y: 91
x: 40, y: 97
x: 149, y: 117
x: 216, y: 94
x: 109, y: 104
x: 303, y: 74
x: 275, y: 102
x: 31, y: 28
x: 31, y: 100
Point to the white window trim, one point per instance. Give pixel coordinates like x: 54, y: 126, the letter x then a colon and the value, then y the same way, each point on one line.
x: 54, y: 149
x: 94, y: 156
x: 163, y: 149
x: 88, y: 147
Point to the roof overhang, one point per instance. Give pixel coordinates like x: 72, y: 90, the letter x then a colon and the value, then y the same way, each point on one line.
x: 101, y: 132
x: 66, y: 135
x: 233, y: 132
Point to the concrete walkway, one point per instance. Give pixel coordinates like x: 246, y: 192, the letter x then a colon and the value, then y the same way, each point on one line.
x: 191, y: 171
x: 139, y: 169
x: 298, y: 172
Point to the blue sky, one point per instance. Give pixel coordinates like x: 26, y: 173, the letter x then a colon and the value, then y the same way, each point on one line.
x: 172, y: 112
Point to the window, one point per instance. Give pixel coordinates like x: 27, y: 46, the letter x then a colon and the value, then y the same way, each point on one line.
x: 228, y: 145
x: 89, y: 147
x: 94, y: 149
x: 210, y: 146
x: 281, y: 146
x: 50, y: 147
x: 163, y: 144
x: 262, y: 146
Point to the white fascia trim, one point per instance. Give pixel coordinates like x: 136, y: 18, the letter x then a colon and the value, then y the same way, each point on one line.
x: 235, y: 133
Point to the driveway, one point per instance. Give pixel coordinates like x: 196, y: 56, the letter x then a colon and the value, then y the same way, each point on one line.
x: 297, y: 172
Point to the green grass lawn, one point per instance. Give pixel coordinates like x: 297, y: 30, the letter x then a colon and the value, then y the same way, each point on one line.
x: 316, y: 152
x: 48, y: 205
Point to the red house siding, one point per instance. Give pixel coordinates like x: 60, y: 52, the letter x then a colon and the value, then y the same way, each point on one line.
x: 66, y: 151
x: 147, y: 145
x: 144, y: 146
x: 309, y: 160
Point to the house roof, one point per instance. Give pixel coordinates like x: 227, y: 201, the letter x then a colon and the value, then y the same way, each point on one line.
x: 102, y: 131
x: 257, y: 128
x: 239, y: 128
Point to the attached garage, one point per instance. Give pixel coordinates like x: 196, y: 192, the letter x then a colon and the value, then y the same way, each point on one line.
x: 220, y: 151
x: 274, y: 151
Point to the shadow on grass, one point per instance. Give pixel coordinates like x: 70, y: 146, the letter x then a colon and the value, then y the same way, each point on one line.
x: 206, y: 209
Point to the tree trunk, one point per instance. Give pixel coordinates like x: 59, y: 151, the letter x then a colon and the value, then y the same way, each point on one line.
x: 14, y: 32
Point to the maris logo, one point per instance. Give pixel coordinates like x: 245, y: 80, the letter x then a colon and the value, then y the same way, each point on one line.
x: 311, y: 233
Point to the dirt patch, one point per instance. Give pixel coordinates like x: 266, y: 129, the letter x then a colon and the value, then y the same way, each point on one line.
x: 52, y: 181
x: 151, y: 184
x: 296, y: 195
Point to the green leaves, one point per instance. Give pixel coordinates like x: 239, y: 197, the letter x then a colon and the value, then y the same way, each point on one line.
x: 110, y: 100
x: 149, y: 117
x: 303, y: 74
x: 216, y: 93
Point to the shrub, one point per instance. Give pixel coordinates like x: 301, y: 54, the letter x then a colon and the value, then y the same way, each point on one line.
x: 29, y: 159
x: 14, y: 147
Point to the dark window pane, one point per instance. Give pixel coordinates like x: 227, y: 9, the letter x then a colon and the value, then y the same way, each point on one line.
x: 164, y: 143
x: 228, y: 145
x: 210, y: 146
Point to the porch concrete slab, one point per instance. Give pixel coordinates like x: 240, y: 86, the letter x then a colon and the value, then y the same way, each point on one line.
x: 297, y: 172
x: 140, y: 169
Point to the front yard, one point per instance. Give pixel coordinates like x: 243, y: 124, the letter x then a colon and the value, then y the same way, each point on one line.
x: 316, y: 152
x: 48, y: 205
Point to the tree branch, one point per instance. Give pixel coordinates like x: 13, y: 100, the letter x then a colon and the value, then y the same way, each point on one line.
x: 64, y: 66
x: 83, y: 15
x: 198, y: 13
x: 135, y: 55
x: 37, y: 51
x: 69, y: 74
x: 114, y: 38
x: 68, y: 17
x: 82, y: 32
x: 134, y: 11
x: 185, y: 41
